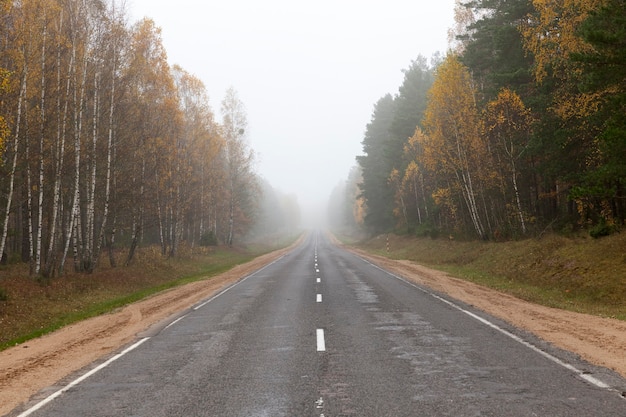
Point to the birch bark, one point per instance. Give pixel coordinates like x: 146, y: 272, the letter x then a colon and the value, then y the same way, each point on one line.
x: 42, y: 121
x: 16, y: 145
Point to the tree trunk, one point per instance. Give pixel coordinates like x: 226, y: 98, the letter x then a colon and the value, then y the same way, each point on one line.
x: 417, y: 203
x: 231, y: 221
x: 111, y: 245
x: 89, y: 260
x: 72, y: 235
x: 39, y: 227
x: 16, y: 144
x: 59, y: 157
x: 133, y: 243
x: 29, y: 198
x: 520, y: 213
x: 107, y: 189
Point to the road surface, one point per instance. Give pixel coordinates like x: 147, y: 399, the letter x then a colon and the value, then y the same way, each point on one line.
x: 322, y: 332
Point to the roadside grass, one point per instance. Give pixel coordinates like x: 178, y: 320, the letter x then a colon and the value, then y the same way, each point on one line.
x: 573, y: 273
x: 36, y: 306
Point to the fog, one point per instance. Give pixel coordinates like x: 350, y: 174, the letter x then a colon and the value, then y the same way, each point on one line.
x: 308, y: 73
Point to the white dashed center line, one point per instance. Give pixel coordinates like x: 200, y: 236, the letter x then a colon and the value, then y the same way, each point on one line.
x: 319, y: 298
x: 321, y: 344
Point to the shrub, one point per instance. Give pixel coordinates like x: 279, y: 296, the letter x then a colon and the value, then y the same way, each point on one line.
x: 208, y: 239
x: 427, y: 230
x: 602, y: 229
x: 3, y: 294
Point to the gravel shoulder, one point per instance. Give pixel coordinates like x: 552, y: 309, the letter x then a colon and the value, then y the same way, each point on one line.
x: 33, y: 366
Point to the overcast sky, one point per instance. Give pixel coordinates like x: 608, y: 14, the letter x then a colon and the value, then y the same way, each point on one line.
x: 308, y: 73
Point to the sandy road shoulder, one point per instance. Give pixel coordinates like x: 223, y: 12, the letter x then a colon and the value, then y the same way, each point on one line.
x: 599, y: 341
x: 37, y: 364
x: 28, y: 368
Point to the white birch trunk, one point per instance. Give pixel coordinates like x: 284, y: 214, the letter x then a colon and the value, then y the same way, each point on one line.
x: 39, y: 227
x: 161, y: 221
x: 467, y: 186
x: 16, y: 145
x: 417, y: 203
x: 88, y: 253
x: 29, y: 198
x: 520, y: 213
x: 107, y: 185
x: 79, y: 97
x: 60, y: 155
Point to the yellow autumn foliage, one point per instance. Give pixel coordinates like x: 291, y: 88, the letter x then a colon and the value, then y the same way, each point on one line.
x: 551, y: 36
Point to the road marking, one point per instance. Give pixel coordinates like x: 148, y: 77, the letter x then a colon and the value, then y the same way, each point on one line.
x: 319, y: 298
x: 529, y: 345
x: 317, y: 270
x: 235, y: 284
x: 321, y: 344
x: 81, y: 379
x: 174, y: 322
x: 319, y: 280
x: 319, y: 403
x: 590, y: 379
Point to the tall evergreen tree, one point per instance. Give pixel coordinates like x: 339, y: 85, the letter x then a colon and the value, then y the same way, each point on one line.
x: 604, y: 75
x: 494, y: 50
x: 377, y: 163
x: 411, y: 103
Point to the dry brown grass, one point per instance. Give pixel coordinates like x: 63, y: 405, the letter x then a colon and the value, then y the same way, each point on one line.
x: 35, y: 306
x: 576, y: 273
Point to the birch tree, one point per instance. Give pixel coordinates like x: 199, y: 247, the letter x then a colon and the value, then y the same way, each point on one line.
x: 239, y: 161
x: 16, y: 139
x: 62, y: 108
x: 507, y: 123
x: 454, y: 147
x: 80, y: 32
x: 42, y: 134
x: 199, y: 146
x: 153, y: 120
x: 98, y: 133
x: 115, y: 37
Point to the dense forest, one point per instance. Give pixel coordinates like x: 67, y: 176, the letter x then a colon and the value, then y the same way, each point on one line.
x: 519, y: 128
x: 106, y: 145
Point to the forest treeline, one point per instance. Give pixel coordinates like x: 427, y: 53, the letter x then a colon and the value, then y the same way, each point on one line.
x: 105, y: 143
x: 521, y: 126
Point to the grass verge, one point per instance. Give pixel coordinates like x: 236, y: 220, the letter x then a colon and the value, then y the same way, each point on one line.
x: 572, y: 273
x: 33, y: 307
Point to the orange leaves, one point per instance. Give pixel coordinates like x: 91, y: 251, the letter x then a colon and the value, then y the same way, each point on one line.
x: 453, y: 148
x: 4, y: 87
x: 551, y: 33
x: 451, y: 120
x: 506, y: 116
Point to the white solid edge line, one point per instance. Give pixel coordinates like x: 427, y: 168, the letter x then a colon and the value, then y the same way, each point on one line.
x: 199, y: 306
x: 81, y: 379
x: 321, y: 344
x: 594, y: 381
x: 127, y: 350
x: 174, y: 322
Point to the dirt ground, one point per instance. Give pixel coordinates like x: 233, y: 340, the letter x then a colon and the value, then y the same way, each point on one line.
x: 32, y: 366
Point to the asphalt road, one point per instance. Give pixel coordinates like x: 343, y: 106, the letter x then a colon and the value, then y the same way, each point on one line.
x: 322, y: 332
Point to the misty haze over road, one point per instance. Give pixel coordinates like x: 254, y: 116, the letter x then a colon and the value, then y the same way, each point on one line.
x: 308, y: 73
x: 322, y: 332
